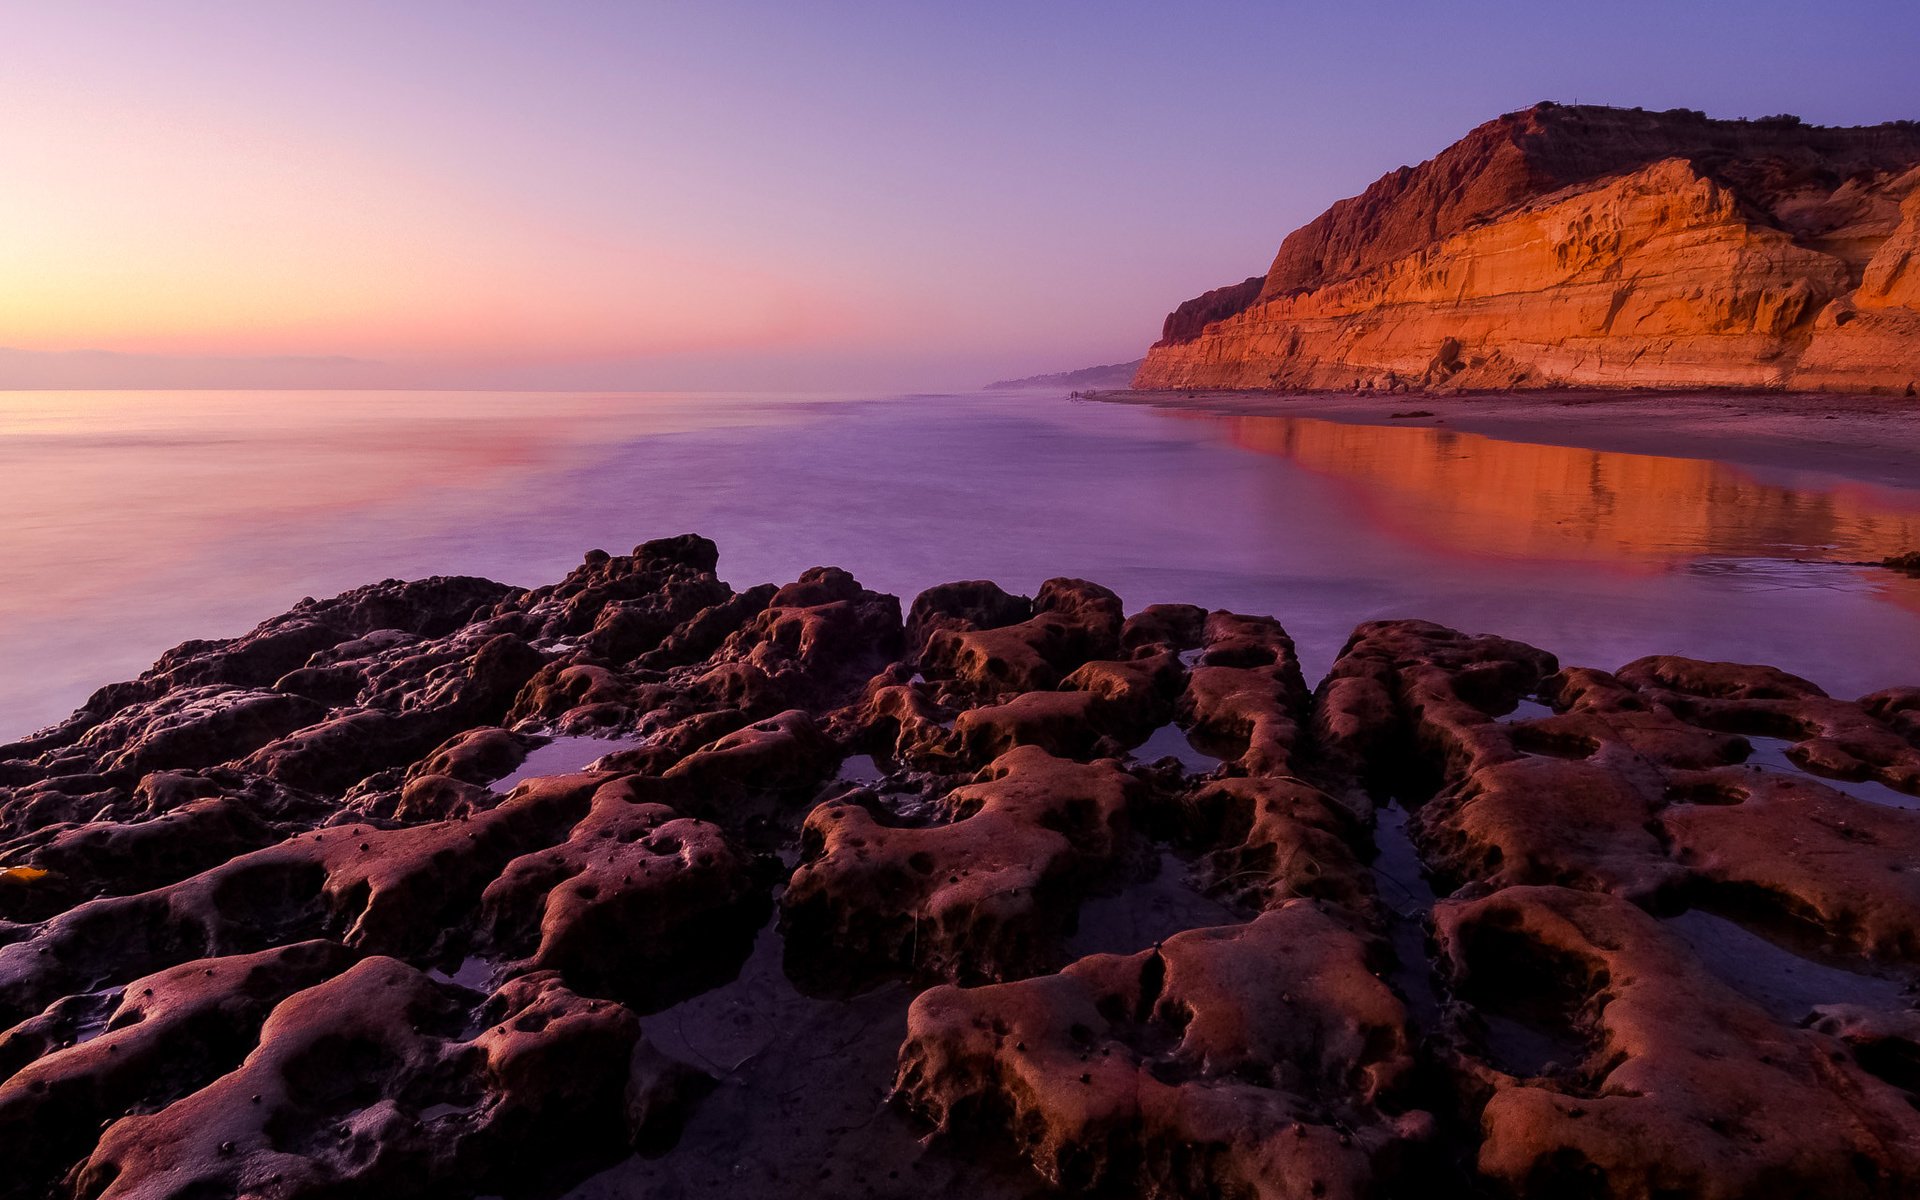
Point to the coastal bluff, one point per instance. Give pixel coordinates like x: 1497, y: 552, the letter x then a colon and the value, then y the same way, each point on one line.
x: 1584, y: 246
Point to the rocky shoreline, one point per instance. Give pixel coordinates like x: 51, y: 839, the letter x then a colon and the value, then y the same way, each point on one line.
x: 637, y: 884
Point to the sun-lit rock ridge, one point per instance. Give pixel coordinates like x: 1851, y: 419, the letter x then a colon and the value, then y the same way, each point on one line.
x: 1593, y: 247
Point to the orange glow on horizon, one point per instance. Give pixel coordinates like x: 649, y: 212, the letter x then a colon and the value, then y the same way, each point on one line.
x: 139, y: 235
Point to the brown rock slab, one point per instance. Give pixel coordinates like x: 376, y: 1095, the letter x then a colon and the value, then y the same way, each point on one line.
x: 1674, y: 1084
x: 987, y: 893
x: 1259, y: 1059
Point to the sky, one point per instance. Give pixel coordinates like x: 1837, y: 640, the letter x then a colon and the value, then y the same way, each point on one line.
x: 790, y: 196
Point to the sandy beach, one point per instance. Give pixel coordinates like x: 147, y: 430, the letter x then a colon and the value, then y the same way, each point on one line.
x: 1875, y: 439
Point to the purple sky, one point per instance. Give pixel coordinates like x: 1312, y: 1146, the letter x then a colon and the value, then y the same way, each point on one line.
x: 774, y: 195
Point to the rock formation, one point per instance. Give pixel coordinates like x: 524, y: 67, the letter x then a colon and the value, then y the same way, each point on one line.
x: 298, y: 914
x: 1595, y: 247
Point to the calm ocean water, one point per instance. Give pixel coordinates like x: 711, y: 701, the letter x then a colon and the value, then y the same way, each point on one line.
x: 135, y: 520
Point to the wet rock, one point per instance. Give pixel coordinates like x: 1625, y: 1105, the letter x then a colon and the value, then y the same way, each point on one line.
x: 1068, y: 724
x: 1074, y: 621
x: 1246, y: 694
x: 1175, y: 627
x: 94, y: 858
x: 243, y: 899
x: 1401, y: 681
x: 708, y: 629
x: 1597, y: 707
x: 988, y: 894
x: 898, y: 717
x: 753, y: 772
x: 1629, y: 787
x: 451, y: 782
x: 161, y: 1038
x: 957, y: 607
x: 816, y: 637
x: 410, y: 706
x: 1796, y: 853
x: 1898, y: 708
x: 380, y: 1081
x: 429, y: 607
x: 1102, y: 707
x: 1263, y: 1059
x: 195, y: 727
x: 627, y: 629
x: 638, y: 904
x: 1272, y: 840
x: 1885, y: 1042
x: 611, y: 596
x: 573, y: 697
x: 1677, y: 1085
x: 403, y: 891
x: 426, y: 798
x: 1543, y: 819
x: 476, y: 756
x: 1832, y: 737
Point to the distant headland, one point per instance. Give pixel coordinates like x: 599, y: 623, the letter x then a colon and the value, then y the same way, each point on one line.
x: 1113, y: 375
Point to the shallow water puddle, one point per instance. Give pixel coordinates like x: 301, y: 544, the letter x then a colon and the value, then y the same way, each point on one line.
x: 899, y: 798
x: 859, y: 769
x: 1146, y: 913
x: 1527, y: 710
x: 1771, y: 753
x: 100, y: 1009
x: 473, y: 972
x: 1521, y: 1043
x: 434, y: 1112
x: 724, y: 1028
x: 914, y: 808
x: 1409, y: 899
x: 1171, y: 741
x: 563, y: 756
x: 1788, y: 985
x: 1530, y: 1048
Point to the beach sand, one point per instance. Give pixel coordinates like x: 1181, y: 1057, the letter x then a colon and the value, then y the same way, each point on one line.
x: 1874, y: 439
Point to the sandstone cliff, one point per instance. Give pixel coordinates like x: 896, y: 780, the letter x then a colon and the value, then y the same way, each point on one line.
x: 1564, y: 246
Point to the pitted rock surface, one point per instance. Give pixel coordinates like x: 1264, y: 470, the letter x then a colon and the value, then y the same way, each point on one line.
x: 311, y: 912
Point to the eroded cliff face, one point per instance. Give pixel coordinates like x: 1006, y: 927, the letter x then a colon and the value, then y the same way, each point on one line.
x: 1591, y: 247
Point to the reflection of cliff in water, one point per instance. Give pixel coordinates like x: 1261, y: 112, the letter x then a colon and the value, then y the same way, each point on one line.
x: 1462, y: 492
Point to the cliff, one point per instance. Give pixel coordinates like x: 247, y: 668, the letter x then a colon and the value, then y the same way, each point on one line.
x: 1583, y: 246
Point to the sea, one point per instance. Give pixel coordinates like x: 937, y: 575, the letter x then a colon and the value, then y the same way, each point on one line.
x: 136, y: 520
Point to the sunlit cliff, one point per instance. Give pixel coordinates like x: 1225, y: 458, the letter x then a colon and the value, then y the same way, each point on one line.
x: 1590, y: 247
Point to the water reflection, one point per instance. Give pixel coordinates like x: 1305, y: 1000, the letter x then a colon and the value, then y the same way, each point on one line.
x: 1468, y: 494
